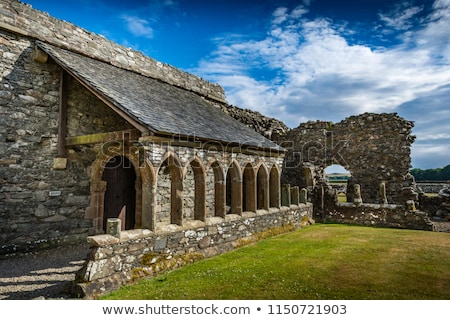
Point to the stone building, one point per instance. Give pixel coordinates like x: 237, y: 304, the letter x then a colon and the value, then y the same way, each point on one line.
x: 90, y: 130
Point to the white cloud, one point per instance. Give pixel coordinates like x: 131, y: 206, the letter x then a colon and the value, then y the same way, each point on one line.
x: 315, y: 73
x: 428, y: 156
x: 402, y: 17
x: 138, y: 26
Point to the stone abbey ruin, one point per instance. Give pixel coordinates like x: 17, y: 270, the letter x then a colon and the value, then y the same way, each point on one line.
x: 100, y: 143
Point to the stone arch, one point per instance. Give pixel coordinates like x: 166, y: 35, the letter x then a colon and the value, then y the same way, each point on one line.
x: 374, y: 147
x: 337, y: 177
x: 195, y: 190
x: 234, y: 188
x: 170, y: 190
x: 274, y: 187
x: 110, y: 150
x: 219, y: 189
x: 249, y: 188
x: 308, y: 177
x: 262, y: 188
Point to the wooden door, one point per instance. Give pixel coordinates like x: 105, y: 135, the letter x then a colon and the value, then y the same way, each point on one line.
x: 120, y: 194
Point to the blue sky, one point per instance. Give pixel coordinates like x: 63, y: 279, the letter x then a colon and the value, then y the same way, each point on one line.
x: 298, y: 60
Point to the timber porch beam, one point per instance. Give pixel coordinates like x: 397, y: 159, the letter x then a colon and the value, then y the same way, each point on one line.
x: 125, y: 135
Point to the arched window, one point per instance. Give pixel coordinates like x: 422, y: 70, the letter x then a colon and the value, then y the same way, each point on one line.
x: 262, y: 188
x: 195, y: 191
x: 218, y: 207
x: 234, y: 189
x: 249, y: 188
x: 170, y: 192
x: 274, y: 185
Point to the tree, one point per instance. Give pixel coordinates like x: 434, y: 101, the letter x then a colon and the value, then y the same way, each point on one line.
x: 438, y: 174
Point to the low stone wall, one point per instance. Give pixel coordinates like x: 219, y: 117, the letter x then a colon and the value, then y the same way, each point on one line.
x: 113, y: 261
x: 430, y: 187
x: 393, y: 216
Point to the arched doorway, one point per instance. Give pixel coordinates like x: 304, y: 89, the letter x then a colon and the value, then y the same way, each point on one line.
x: 120, y: 193
x: 337, y: 176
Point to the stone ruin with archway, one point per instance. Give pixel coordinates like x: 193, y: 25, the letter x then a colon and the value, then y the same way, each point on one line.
x: 374, y: 148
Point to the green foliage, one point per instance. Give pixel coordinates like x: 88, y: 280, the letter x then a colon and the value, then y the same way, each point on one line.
x: 330, y: 262
x: 438, y: 174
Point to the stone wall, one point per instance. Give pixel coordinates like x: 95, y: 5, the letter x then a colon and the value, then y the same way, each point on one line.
x: 393, y: 216
x: 46, y: 200
x: 270, y: 128
x: 141, y: 253
x: 375, y: 148
x: 39, y: 205
x: 42, y: 205
x: 432, y: 187
x: 24, y: 20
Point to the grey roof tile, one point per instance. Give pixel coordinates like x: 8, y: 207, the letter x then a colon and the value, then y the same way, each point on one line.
x: 160, y: 107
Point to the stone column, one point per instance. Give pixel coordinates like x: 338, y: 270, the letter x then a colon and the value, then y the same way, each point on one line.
x: 96, y: 206
x: 303, y: 195
x: 220, y: 201
x: 294, y: 195
x: 286, y: 195
x: 357, y: 200
x: 383, y: 198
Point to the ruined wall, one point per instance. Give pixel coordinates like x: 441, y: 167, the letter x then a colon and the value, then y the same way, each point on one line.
x: 24, y: 20
x: 392, y: 216
x: 270, y: 128
x: 375, y: 148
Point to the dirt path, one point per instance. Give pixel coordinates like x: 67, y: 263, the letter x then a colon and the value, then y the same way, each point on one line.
x: 45, y: 274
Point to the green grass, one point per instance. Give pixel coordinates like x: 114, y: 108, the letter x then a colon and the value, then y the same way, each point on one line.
x: 316, y: 262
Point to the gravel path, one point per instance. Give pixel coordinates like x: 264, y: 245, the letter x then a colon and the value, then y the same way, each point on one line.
x: 44, y: 274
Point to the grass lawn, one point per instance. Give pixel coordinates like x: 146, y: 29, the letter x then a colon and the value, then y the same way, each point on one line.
x: 317, y: 262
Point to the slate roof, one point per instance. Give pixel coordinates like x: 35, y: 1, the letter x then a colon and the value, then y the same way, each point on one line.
x: 162, y: 108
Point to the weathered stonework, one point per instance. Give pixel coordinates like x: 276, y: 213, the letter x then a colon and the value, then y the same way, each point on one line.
x: 375, y: 148
x: 393, y: 216
x: 39, y: 205
x: 58, y: 134
x: 269, y: 127
x: 53, y: 181
x: 142, y: 253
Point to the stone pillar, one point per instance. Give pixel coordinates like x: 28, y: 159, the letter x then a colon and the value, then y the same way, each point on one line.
x: 294, y: 195
x: 286, y: 195
x: 383, y: 198
x: 357, y: 200
x: 220, y: 200
x: 148, y: 218
x: 303, y: 195
x: 113, y: 227
x: 96, y: 206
